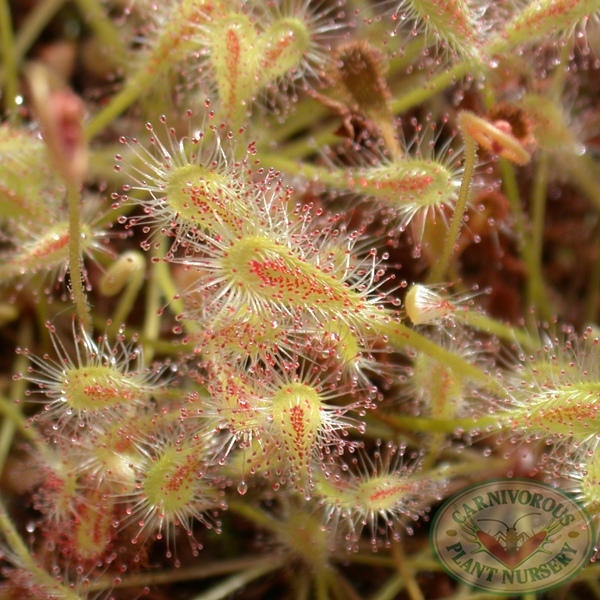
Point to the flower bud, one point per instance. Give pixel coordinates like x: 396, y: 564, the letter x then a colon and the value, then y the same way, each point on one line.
x: 60, y: 113
x: 497, y: 137
x: 130, y: 264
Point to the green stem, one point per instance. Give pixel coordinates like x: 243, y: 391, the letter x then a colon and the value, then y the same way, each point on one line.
x: 174, y: 42
x: 321, y: 585
x: 471, y: 469
x: 104, y: 29
x: 42, y: 316
x: 594, y: 587
x: 492, y: 326
x: 133, y: 89
x: 33, y: 25
x: 592, y: 296
x: 336, y: 178
x: 168, y: 288
x: 114, y: 213
x: 257, y: 516
x: 583, y: 172
x: 591, y: 571
x: 400, y: 336
x: 127, y: 301
x: 434, y: 446
x: 396, y: 583
x: 412, y: 587
x: 7, y: 48
x: 469, y: 594
x: 511, y: 188
x: 390, y: 589
x: 443, y: 261
x: 75, y: 258
x: 431, y: 425
x: 404, y: 60
x: 14, y: 419
x: 239, y: 581
x: 152, y: 317
x: 420, y: 563
x: 341, y: 588
x: 166, y: 347
x: 536, y: 288
x: 308, y: 112
x: 560, y: 76
x: 371, y: 560
x: 7, y: 433
x: 13, y: 414
x: 377, y: 430
x: 302, y: 588
x: 304, y: 147
x: 431, y: 88
x: 204, y: 571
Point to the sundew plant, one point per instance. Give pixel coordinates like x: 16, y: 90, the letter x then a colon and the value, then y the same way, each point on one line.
x: 281, y: 276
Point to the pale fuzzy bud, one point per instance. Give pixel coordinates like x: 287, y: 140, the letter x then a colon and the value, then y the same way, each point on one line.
x: 425, y: 305
x: 129, y: 265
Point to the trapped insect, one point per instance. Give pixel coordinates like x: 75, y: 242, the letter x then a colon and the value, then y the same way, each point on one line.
x: 511, y: 539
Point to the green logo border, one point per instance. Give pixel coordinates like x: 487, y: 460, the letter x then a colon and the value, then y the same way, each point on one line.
x: 454, y: 497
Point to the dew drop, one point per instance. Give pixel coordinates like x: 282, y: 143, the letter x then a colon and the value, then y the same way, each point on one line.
x: 242, y: 487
